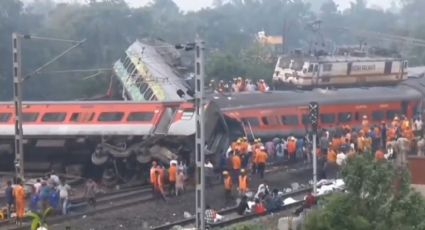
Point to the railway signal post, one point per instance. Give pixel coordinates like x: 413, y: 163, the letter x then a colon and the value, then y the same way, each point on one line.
x: 200, y: 134
x: 314, y: 115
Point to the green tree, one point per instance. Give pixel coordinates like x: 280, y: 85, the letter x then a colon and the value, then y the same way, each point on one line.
x: 378, y: 197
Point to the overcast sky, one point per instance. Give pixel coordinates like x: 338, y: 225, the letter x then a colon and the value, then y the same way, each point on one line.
x: 198, y: 4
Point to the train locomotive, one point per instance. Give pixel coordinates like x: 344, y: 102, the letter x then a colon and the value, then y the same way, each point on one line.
x: 301, y: 71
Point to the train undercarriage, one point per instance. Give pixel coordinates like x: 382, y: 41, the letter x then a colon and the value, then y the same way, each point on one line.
x: 112, y: 159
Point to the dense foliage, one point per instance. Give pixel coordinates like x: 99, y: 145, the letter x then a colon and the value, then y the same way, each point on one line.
x: 379, y: 197
x: 229, y: 29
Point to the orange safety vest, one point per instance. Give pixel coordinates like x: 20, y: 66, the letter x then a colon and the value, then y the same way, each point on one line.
x: 172, y: 173
x: 261, y: 157
x: 243, y: 183
x: 331, y: 156
x: 292, y: 147
x: 228, y: 183
x: 236, y: 162
x: 152, y: 175
x: 336, y: 143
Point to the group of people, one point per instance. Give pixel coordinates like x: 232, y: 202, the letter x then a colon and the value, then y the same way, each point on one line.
x: 173, y: 177
x: 239, y: 85
x: 48, y: 192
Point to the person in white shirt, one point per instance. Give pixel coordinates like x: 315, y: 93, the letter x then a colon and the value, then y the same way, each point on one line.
x: 64, y: 190
x: 37, y: 186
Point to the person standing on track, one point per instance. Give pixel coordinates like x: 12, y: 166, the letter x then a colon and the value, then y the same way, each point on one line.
x: 153, y: 178
x: 260, y: 161
x: 19, y: 194
x: 172, y: 176
x: 10, y: 199
x: 243, y: 182
x: 90, y: 193
x: 236, y: 165
x: 160, y: 185
x: 227, y: 186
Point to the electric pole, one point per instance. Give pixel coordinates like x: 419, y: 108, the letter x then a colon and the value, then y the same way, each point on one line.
x: 17, y: 99
x: 18, y: 80
x: 314, y: 116
x: 200, y: 134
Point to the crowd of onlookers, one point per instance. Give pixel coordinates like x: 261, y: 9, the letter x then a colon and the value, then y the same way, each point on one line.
x: 238, y: 85
x: 50, y: 191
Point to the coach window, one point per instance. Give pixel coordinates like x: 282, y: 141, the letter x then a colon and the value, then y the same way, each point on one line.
x: 4, y: 117
x: 143, y: 87
x: 306, y: 119
x: 327, y: 67
x: 140, y: 116
x: 187, y: 114
x: 290, y: 120
x: 392, y: 113
x: 29, y: 116
x: 344, y: 117
x: 148, y: 94
x: 110, y: 116
x: 265, y: 120
x: 250, y: 121
x: 81, y: 117
x: 53, y: 117
x: 310, y: 68
x: 378, y: 116
x: 327, y: 118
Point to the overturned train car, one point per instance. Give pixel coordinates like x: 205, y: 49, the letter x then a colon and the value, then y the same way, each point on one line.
x: 115, y: 137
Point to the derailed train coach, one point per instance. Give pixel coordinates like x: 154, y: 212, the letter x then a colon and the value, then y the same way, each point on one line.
x: 284, y: 113
x: 117, y: 138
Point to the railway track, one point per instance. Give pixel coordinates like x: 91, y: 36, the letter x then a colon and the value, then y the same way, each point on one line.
x: 106, y: 202
x: 229, y: 214
x: 124, y: 198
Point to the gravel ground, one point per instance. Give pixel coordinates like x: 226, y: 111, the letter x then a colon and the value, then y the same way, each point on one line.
x: 158, y: 212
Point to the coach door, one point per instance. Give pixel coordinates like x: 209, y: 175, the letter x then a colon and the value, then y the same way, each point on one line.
x: 388, y: 67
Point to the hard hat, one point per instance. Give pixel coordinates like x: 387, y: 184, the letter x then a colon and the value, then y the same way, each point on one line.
x: 396, y: 118
x: 238, y: 141
x: 244, y: 138
x: 242, y: 170
x: 364, y: 117
x: 262, y: 148
x: 225, y: 173
x: 259, y: 139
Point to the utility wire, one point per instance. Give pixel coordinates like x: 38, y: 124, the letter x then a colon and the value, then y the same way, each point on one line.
x: 54, y: 59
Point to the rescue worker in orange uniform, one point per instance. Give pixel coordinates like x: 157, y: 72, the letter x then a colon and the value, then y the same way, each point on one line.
x: 243, y: 182
x: 160, y: 185
x: 292, y: 148
x: 331, y: 156
x: 227, y: 186
x: 365, y: 124
x: 244, y: 152
x: 405, y: 123
x: 236, y: 166
x: 260, y: 161
x: 19, y: 194
x: 172, y: 176
x: 153, y: 176
x: 255, y: 148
